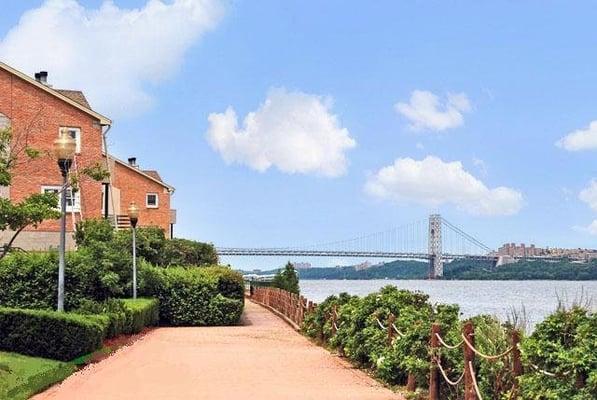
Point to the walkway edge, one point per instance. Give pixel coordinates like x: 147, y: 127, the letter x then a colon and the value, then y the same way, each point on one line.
x: 279, y: 314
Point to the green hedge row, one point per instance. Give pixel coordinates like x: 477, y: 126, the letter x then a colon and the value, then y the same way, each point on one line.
x: 65, y: 336
x: 195, y: 296
x: 123, y: 316
x: 49, y: 334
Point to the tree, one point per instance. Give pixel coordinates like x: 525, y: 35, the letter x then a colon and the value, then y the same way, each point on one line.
x: 33, y: 209
x: 287, y: 279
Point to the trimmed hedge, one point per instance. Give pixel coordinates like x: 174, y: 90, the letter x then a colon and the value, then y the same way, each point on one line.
x: 195, y: 296
x: 51, y: 334
x: 123, y: 316
x: 140, y: 313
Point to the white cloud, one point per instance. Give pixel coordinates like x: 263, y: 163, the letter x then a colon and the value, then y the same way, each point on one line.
x: 434, y: 182
x: 481, y: 165
x: 292, y: 131
x: 581, y: 139
x: 589, y: 195
x: 110, y: 53
x: 426, y: 111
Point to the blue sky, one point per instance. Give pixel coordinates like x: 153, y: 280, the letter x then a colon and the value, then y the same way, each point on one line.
x: 524, y: 73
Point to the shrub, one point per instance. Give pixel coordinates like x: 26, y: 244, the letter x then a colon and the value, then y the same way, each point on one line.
x: 189, y: 296
x: 50, y: 334
x: 287, y: 279
x: 31, y: 280
x: 125, y: 316
x: 188, y: 252
x: 564, y: 344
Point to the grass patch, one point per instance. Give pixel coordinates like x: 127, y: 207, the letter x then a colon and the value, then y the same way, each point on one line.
x: 21, y: 376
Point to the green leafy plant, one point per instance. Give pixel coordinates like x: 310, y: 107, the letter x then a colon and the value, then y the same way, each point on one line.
x: 287, y: 279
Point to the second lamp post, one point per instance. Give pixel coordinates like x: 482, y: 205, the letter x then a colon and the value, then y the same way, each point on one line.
x: 134, y: 218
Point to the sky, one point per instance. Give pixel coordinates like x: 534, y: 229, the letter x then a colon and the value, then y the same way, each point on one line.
x: 299, y: 122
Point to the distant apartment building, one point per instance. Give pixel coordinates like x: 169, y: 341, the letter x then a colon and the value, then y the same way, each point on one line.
x: 521, y: 250
x: 362, y: 266
x: 36, y: 113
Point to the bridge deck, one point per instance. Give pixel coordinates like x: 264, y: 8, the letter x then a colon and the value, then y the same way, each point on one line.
x: 263, y: 359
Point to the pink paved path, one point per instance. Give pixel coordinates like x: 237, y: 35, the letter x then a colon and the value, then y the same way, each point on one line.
x: 264, y: 359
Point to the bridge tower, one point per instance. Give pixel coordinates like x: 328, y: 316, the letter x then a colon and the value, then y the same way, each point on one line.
x: 436, y: 263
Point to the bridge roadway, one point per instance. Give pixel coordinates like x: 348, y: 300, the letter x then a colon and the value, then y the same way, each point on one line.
x: 264, y: 359
x: 281, y: 252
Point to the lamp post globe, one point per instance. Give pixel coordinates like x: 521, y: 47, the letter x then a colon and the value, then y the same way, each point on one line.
x: 134, y: 218
x: 64, y: 149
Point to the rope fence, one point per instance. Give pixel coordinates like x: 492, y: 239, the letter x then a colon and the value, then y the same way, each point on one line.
x: 294, y: 308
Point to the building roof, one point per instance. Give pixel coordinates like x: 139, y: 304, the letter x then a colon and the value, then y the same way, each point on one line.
x: 75, y: 95
x: 56, y: 93
x: 153, y: 173
x: 145, y: 174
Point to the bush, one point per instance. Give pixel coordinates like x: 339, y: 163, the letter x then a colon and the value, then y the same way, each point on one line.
x: 125, y: 316
x: 194, y: 296
x: 99, y: 237
x: 287, y: 279
x: 31, y: 280
x: 188, y: 252
x: 50, y: 334
x: 564, y: 344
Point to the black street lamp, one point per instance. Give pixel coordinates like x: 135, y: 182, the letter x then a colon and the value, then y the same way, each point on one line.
x: 134, y: 217
x: 64, y: 150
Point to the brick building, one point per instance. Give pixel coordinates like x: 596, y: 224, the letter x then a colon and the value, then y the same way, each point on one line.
x: 36, y: 113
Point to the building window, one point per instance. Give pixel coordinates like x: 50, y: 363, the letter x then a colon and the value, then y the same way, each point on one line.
x: 73, y: 200
x: 75, y: 133
x: 152, y: 200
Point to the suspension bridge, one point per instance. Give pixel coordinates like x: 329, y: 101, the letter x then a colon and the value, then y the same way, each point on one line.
x: 435, y: 240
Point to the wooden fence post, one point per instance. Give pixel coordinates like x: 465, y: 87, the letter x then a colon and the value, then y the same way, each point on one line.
x: 516, y: 362
x: 434, y: 371
x: 391, y: 319
x: 333, y: 313
x: 469, y: 358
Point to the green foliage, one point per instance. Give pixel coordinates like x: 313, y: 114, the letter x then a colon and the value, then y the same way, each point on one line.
x: 99, y: 237
x: 522, y: 270
x: 21, y: 376
x: 192, y: 297
x: 287, y: 279
x: 126, y: 316
x: 50, y: 334
x: 188, y: 252
x: 97, y: 172
x: 30, y: 280
x: 564, y: 344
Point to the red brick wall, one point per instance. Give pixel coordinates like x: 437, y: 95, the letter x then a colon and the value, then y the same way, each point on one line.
x: 134, y: 187
x: 37, y: 115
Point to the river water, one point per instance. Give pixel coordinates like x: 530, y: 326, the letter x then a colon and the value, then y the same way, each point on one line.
x: 537, y: 298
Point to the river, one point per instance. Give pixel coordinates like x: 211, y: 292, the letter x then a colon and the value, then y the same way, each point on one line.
x: 537, y: 298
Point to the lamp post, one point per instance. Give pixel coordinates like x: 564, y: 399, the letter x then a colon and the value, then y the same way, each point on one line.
x: 64, y: 150
x: 134, y: 217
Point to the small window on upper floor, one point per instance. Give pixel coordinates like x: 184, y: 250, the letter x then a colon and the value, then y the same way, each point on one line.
x: 152, y: 200
x: 75, y: 133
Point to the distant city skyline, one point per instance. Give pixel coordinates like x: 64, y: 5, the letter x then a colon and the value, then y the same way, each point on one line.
x: 284, y: 123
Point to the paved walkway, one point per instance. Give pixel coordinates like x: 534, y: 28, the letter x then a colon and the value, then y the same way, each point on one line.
x: 264, y: 359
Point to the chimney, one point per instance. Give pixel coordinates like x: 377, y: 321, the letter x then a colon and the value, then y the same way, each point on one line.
x: 42, y: 77
x: 133, y: 162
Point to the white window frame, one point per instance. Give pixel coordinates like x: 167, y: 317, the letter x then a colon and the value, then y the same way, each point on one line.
x: 157, y: 200
x: 77, y: 136
x: 56, y: 189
